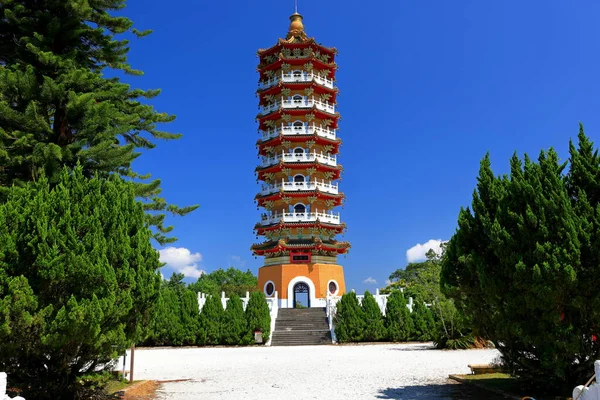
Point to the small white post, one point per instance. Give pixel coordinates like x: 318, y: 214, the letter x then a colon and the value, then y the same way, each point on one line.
x: 3, y: 379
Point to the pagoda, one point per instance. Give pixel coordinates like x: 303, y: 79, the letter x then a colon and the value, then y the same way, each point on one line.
x: 298, y: 148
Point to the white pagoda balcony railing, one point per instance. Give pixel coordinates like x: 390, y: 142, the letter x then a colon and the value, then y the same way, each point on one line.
x: 323, y: 186
x: 309, y: 103
x: 299, y: 157
x: 303, y: 102
x: 298, y: 131
x: 292, y: 77
x: 330, y: 218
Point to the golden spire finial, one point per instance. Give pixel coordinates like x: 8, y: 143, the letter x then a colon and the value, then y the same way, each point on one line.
x: 296, y: 25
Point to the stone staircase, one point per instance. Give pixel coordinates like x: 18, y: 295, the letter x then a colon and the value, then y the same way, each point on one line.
x: 301, y: 327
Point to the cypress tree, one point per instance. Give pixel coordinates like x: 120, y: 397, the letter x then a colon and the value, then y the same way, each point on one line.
x: 523, y: 260
x: 211, y: 318
x: 350, y: 320
x: 166, y: 328
x: 58, y: 107
x: 398, y: 322
x: 423, y: 322
x: 235, y: 326
x: 374, y: 328
x: 78, y: 280
x: 258, y: 316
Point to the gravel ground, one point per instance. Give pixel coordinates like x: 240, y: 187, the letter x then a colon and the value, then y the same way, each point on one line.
x: 400, y: 371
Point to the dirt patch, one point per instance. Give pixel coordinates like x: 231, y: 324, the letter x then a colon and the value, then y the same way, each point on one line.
x: 145, y: 390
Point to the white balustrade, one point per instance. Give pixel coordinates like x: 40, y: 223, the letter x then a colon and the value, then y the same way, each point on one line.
x: 299, y: 158
x: 304, y: 102
x: 275, y: 218
x: 299, y: 131
x: 292, y: 77
x: 323, y: 186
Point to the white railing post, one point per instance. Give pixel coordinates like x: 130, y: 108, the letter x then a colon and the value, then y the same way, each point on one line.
x: 3, y: 379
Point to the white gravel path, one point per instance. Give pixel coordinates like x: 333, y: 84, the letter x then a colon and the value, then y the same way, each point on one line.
x: 402, y: 371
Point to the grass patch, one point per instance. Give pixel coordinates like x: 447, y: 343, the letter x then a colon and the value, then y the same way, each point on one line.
x: 115, y: 386
x: 507, y: 384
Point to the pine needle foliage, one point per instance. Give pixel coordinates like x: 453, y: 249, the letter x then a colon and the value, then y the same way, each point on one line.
x: 524, y: 263
x: 350, y: 321
x: 235, y: 326
x: 58, y: 108
x: 424, y: 326
x: 398, y: 322
x: 258, y: 316
x: 78, y: 280
x: 211, y: 319
x: 374, y: 327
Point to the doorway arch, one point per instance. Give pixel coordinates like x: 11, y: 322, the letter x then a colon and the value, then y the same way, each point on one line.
x: 301, y: 289
x: 311, y: 291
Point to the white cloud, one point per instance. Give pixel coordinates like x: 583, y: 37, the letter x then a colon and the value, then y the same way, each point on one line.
x: 182, y: 260
x: 418, y: 251
x: 370, y: 281
x: 388, y: 282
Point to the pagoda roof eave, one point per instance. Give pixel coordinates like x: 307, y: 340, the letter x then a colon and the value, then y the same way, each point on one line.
x: 339, y: 198
x: 284, y: 42
x: 297, y: 61
x: 297, y: 111
x: 338, y: 228
x: 298, y: 139
x: 301, y: 165
x: 307, y: 84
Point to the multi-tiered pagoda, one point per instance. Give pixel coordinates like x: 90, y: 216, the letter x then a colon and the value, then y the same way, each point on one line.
x: 298, y: 147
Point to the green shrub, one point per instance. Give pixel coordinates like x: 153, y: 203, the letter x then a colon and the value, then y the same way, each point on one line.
x: 374, y: 327
x: 211, y: 319
x: 398, y: 322
x: 235, y: 326
x: 258, y: 316
x: 349, y: 319
x: 424, y: 325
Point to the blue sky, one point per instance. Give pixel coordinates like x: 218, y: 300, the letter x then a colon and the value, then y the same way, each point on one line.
x: 426, y: 89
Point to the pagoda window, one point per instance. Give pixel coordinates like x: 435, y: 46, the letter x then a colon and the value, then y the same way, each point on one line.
x: 299, y: 178
x: 299, y: 208
x: 297, y: 99
x: 298, y: 74
x: 299, y: 151
x: 298, y: 125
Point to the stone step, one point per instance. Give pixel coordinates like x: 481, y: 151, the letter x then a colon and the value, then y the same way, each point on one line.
x: 301, y: 339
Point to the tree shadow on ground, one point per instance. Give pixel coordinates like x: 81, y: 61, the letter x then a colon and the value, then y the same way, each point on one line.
x: 449, y: 391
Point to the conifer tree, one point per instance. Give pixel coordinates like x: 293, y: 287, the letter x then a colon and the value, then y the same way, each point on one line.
x: 235, y: 326
x: 57, y: 106
x: 398, y: 322
x: 374, y: 328
x: 524, y: 261
x: 78, y: 279
x: 423, y: 322
x: 211, y: 318
x: 350, y: 319
x: 258, y: 316
x: 166, y: 328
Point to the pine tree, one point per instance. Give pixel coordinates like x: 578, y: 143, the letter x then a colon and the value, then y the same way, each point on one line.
x: 258, y: 316
x: 58, y: 108
x: 166, y: 328
x: 235, y: 326
x: 350, y: 320
x: 78, y: 279
x: 374, y: 328
x: 423, y: 323
x: 398, y: 322
x: 211, y: 318
x: 523, y: 262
